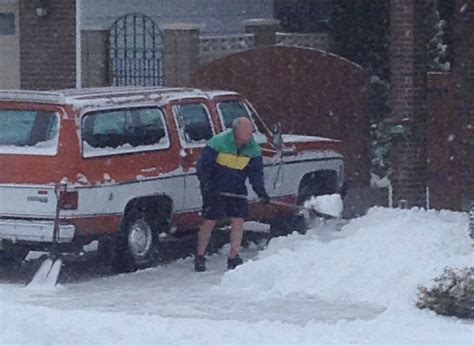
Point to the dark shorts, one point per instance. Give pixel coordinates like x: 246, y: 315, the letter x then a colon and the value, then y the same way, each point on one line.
x: 216, y: 207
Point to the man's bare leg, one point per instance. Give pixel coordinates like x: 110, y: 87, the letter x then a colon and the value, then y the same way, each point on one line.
x: 204, y: 236
x: 236, y: 235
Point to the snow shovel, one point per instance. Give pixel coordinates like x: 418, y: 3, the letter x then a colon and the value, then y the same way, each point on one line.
x: 48, y: 272
x: 311, y: 208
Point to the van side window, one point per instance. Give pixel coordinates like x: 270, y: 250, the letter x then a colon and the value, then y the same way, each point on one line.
x: 126, y: 130
x: 194, y: 123
x: 23, y: 128
x: 29, y: 132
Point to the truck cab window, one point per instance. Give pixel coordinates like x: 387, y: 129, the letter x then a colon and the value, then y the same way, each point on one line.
x: 194, y: 123
x: 230, y: 110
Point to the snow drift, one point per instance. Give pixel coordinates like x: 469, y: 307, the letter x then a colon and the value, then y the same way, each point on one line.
x: 379, y: 258
x: 374, y: 263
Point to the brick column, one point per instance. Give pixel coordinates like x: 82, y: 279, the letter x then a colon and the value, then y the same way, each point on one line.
x: 444, y: 145
x: 264, y: 31
x: 408, y: 63
x: 463, y: 73
x: 48, y: 45
x: 409, y: 173
x: 94, y: 58
x: 181, y: 53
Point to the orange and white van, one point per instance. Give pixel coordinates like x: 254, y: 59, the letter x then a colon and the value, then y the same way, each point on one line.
x: 119, y: 163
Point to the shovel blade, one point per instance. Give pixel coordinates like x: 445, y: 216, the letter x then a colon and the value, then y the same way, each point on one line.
x: 47, y: 274
x: 325, y: 206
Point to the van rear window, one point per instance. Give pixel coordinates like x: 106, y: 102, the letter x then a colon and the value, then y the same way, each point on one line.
x: 28, y: 132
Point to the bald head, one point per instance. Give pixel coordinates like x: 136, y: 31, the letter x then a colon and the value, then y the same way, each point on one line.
x: 243, y: 130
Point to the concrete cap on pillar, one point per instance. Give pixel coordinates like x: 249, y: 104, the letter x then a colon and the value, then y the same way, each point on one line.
x: 263, y: 29
x: 181, y: 26
x: 261, y: 22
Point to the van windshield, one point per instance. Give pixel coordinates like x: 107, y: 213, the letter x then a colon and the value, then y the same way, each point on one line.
x: 230, y: 110
x: 28, y: 132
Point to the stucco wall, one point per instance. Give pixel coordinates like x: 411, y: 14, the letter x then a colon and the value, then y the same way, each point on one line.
x: 213, y: 16
x: 10, y: 47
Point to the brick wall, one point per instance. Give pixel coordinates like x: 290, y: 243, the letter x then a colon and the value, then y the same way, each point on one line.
x: 408, y: 60
x: 408, y: 99
x: 409, y: 174
x: 446, y: 161
x: 463, y: 72
x: 48, y: 45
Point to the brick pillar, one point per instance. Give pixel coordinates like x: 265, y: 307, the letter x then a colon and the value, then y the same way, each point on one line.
x: 48, y: 45
x: 181, y: 53
x: 408, y: 63
x: 264, y: 31
x: 463, y: 73
x: 444, y: 145
x: 94, y: 58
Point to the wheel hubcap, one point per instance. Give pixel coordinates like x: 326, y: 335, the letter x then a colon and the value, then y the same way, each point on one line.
x: 140, y: 238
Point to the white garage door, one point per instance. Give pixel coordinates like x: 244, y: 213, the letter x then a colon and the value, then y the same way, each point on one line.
x: 9, y: 45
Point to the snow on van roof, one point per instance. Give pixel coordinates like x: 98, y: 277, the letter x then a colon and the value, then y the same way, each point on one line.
x: 107, y: 95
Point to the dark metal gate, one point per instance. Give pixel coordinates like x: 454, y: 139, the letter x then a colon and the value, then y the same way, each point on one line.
x: 135, y: 51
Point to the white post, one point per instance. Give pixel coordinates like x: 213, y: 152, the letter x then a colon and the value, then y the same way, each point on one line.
x: 78, y: 45
x: 390, y: 196
x: 428, y: 198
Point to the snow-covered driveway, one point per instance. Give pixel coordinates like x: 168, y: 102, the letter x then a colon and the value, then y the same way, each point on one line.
x: 356, y: 285
x: 175, y: 290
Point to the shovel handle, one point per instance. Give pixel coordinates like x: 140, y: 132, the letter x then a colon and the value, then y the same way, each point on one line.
x: 282, y: 204
x: 234, y: 195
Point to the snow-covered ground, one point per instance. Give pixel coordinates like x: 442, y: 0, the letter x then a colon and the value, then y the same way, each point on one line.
x: 357, y: 284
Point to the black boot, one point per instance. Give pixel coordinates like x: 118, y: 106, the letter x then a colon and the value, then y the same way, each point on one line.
x: 232, y: 263
x: 200, y: 263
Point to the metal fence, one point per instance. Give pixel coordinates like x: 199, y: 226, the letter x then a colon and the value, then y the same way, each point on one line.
x: 135, y: 52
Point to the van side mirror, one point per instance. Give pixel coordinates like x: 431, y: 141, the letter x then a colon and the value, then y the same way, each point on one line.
x: 277, y: 139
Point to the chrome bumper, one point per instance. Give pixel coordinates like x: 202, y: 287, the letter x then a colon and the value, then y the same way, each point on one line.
x: 34, y: 231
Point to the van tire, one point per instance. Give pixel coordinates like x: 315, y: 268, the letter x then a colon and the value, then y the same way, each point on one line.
x: 137, y: 243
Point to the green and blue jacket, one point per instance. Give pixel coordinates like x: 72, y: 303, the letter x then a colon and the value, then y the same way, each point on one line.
x: 224, y: 167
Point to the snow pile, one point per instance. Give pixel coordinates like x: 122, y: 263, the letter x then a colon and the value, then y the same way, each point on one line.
x: 326, y: 204
x: 323, y: 287
x: 380, y: 258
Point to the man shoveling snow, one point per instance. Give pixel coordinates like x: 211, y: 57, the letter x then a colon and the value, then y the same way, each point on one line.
x: 227, y: 161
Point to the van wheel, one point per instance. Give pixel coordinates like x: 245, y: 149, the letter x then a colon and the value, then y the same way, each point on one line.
x: 136, y: 245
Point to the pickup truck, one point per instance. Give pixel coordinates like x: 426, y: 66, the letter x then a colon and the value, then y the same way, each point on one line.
x: 114, y: 163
